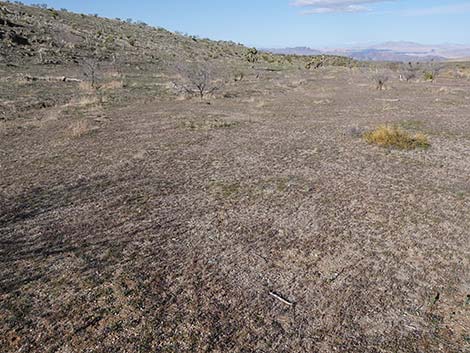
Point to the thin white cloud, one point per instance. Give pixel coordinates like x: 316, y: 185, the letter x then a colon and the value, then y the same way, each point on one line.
x: 438, y: 10
x: 328, y: 3
x: 354, y: 6
x: 334, y: 6
x: 347, y: 9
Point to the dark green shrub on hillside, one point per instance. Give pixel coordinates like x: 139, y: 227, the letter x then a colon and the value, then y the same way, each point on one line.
x: 252, y: 55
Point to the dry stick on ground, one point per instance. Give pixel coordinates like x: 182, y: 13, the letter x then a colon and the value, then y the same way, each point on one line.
x: 281, y: 299
x: 52, y: 78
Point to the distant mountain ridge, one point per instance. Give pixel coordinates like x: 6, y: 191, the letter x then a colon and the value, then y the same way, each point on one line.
x: 389, y: 51
x: 296, y: 51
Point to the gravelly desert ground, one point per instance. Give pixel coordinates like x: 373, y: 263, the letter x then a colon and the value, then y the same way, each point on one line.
x: 163, y: 225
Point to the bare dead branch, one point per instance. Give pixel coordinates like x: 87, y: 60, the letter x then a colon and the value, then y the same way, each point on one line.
x: 281, y: 299
x: 196, y: 79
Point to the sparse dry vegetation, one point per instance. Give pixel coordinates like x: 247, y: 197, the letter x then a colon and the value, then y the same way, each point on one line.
x: 79, y: 129
x: 380, y: 78
x: 209, y: 124
x: 409, y: 71
x: 197, y: 79
x: 394, y: 137
x: 133, y: 219
x: 114, y: 84
x: 86, y: 87
x: 91, y: 68
x: 432, y: 70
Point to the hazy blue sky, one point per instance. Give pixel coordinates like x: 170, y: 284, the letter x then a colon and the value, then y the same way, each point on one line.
x: 280, y: 23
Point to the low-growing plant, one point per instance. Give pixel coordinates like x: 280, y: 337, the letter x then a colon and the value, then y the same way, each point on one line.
x: 196, y: 79
x: 111, y: 85
x: 55, y: 13
x: 380, y: 79
x: 394, y: 137
x: 90, y: 68
x: 209, y: 124
x: 41, y: 6
x: 318, y: 61
x: 429, y: 76
x: 432, y: 70
x: 409, y: 72
x: 252, y: 55
x: 239, y: 76
x: 79, y: 129
x: 86, y: 86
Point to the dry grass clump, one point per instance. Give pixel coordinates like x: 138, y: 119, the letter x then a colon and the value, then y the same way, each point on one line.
x: 79, y: 129
x: 380, y: 79
x: 114, y: 84
x: 394, y: 137
x: 113, y: 75
x: 86, y: 86
x: 82, y: 101
x: 21, y: 80
x: 209, y: 124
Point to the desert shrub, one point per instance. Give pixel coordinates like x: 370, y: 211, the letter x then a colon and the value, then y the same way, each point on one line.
x: 314, y: 64
x: 429, y: 76
x: 461, y: 72
x: 409, y: 72
x: 196, y: 79
x: 209, y: 124
x: 55, y: 13
x: 41, y: 6
x: 79, y: 129
x: 355, y: 131
x: 380, y: 79
x: 111, y: 85
x: 252, y: 55
x: 317, y: 61
x: 432, y: 70
x: 393, y: 137
x: 268, y: 58
x: 86, y: 86
x: 81, y: 101
x: 90, y: 68
x: 239, y: 76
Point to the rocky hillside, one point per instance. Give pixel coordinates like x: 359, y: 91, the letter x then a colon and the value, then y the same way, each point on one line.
x: 57, y: 50
x: 47, y: 36
x: 37, y: 35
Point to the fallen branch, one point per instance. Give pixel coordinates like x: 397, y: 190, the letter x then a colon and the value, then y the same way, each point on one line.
x: 49, y: 78
x: 281, y: 299
x: 387, y: 100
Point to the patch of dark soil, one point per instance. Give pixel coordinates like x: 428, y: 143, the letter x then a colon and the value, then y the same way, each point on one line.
x: 18, y: 39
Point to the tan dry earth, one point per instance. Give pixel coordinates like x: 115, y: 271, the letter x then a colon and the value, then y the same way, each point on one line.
x: 167, y: 225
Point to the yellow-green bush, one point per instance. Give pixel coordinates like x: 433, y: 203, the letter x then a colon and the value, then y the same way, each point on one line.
x: 394, y: 137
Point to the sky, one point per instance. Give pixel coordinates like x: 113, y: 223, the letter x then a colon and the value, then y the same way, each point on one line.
x: 290, y: 23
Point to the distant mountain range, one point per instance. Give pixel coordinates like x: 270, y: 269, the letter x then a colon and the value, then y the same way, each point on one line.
x: 389, y: 51
x: 296, y: 51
